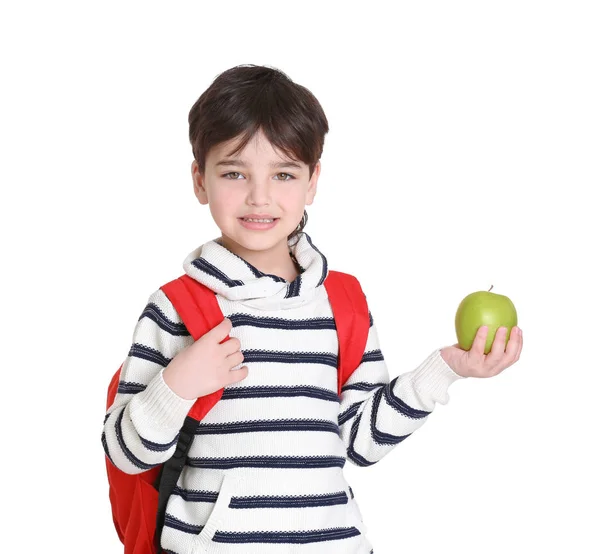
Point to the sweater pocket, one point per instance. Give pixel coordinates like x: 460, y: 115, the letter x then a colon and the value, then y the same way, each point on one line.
x: 219, y: 512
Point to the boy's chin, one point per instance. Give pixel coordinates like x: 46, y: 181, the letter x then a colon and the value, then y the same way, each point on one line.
x: 256, y: 239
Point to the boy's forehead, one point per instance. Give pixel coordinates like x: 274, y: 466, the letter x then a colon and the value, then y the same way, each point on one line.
x: 255, y: 151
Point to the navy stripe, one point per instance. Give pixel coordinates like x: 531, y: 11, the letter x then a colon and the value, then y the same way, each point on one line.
x: 251, y: 502
x: 293, y: 288
x: 353, y: 454
x: 257, y: 426
x: 194, y: 495
x: 270, y: 392
x: 379, y: 436
x: 130, y: 388
x: 176, y: 523
x: 158, y: 447
x: 351, y: 491
x: 325, y: 263
x: 128, y: 454
x: 295, y: 537
x: 363, y: 386
x: 268, y: 461
x: 307, y: 501
x: 372, y: 356
x: 256, y: 272
x: 146, y: 353
x: 284, y: 356
x: 310, y: 324
x: 349, y: 413
x: 213, y: 271
x: 153, y: 312
x: 399, y: 405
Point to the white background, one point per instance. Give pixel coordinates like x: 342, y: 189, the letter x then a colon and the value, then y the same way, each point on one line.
x: 463, y: 153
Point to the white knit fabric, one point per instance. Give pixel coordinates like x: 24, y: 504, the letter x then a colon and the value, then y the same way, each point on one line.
x: 265, y: 470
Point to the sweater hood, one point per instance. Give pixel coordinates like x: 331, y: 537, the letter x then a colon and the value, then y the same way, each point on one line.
x: 232, y: 277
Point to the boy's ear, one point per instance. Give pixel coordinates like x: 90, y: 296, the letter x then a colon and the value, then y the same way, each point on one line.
x: 312, y: 185
x: 198, y: 180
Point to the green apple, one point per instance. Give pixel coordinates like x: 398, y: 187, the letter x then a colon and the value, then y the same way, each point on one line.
x: 484, y: 308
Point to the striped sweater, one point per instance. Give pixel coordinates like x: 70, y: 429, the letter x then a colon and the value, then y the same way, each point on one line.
x: 264, y: 472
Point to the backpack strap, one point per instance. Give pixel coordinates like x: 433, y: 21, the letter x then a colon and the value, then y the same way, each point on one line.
x: 198, y: 308
x: 351, y: 315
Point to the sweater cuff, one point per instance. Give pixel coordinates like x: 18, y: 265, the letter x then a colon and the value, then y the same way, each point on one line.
x: 434, y: 376
x: 159, y: 404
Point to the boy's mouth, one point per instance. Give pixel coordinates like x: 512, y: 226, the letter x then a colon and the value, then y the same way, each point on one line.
x: 258, y: 223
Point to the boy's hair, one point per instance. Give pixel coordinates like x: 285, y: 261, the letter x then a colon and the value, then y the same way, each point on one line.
x: 246, y: 98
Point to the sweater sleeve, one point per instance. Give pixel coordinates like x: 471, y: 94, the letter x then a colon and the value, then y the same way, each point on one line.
x: 376, y: 414
x: 142, y: 425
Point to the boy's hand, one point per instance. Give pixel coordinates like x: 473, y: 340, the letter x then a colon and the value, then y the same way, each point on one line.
x: 204, y: 366
x: 474, y: 363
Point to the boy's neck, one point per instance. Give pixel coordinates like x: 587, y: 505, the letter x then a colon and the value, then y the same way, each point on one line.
x: 275, y: 261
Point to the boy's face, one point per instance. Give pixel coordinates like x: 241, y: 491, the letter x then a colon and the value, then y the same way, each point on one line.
x: 253, y: 184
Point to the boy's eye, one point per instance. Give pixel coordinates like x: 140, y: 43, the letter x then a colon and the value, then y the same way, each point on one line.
x: 231, y: 173
x: 290, y: 176
x: 237, y: 173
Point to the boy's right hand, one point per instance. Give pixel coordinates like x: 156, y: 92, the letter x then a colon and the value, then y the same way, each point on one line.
x: 204, y: 366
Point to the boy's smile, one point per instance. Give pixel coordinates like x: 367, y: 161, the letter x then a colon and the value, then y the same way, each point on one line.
x: 259, y: 222
x: 259, y: 183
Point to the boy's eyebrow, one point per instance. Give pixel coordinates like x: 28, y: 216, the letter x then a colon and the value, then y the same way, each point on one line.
x: 238, y: 162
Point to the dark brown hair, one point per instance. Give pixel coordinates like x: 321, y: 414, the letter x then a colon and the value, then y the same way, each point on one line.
x: 247, y: 98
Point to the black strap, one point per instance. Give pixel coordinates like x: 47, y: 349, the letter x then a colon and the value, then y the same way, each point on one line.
x: 170, y: 472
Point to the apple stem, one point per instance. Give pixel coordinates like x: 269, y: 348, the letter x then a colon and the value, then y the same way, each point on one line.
x: 490, y: 288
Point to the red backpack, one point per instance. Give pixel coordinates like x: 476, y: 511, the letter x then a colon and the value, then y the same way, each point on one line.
x: 139, y: 501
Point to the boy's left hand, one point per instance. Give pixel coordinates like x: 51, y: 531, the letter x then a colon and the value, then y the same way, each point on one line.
x: 474, y: 363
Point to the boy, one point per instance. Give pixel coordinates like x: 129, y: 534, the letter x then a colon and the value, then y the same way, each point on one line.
x: 265, y: 469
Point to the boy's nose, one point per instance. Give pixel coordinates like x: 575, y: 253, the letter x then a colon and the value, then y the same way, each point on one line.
x: 260, y: 192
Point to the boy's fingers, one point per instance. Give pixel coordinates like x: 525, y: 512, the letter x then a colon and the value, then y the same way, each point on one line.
x: 221, y: 331
x: 231, y: 346
x: 497, y: 352
x: 238, y: 374
x: 520, y: 346
x: 479, y: 341
x: 512, y: 350
x: 235, y: 358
